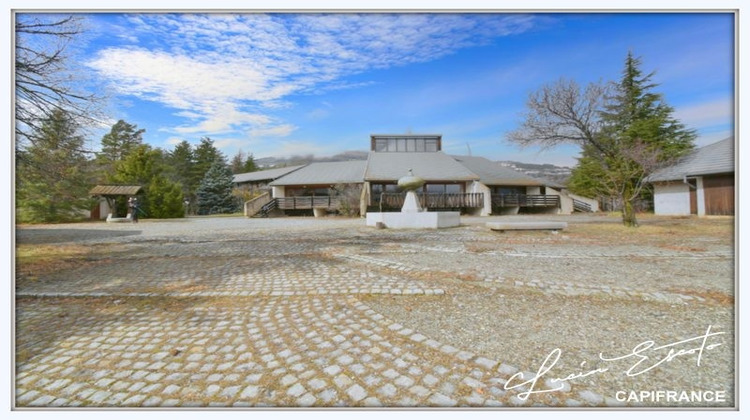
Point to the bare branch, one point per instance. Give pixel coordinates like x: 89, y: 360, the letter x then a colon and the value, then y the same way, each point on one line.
x: 43, y: 83
x: 561, y: 113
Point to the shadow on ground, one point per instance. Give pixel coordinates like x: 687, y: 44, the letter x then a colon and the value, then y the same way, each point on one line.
x: 52, y: 236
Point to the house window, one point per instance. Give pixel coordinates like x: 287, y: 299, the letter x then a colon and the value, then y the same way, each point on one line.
x: 509, y: 190
x: 381, y: 145
x: 405, y: 144
x: 444, y: 188
x: 453, y: 188
x: 307, y: 192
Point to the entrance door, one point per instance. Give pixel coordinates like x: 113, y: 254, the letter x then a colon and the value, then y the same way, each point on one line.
x: 719, y: 194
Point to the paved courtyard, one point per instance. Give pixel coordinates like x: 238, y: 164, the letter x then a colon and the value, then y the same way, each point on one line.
x: 302, y: 312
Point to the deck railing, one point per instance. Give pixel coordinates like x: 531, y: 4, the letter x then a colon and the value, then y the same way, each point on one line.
x: 305, y: 203
x: 525, y: 200
x: 433, y: 201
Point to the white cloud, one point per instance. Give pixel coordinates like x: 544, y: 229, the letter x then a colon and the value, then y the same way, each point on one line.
x: 273, y: 131
x: 212, y: 68
x: 706, y: 114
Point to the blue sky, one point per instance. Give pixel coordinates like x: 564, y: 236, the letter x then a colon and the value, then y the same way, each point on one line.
x: 290, y: 84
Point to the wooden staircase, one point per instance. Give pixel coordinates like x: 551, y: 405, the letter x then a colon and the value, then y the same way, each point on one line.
x: 256, y: 206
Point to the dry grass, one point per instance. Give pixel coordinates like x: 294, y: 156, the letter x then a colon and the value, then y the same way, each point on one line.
x: 33, y: 261
x: 673, y: 231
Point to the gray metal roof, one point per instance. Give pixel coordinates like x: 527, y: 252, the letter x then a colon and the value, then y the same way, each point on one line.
x: 267, y: 175
x: 716, y: 158
x: 115, y: 190
x: 325, y: 173
x: 430, y: 166
x: 492, y: 173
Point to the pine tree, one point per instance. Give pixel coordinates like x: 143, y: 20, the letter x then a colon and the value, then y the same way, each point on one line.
x: 242, y: 163
x: 249, y: 165
x: 180, y: 162
x: 145, y: 167
x: 164, y: 198
x: 120, y: 141
x: 215, y: 191
x: 52, y: 178
x: 141, y: 166
x: 204, y: 156
x: 624, y: 137
x: 238, y: 162
x: 640, y: 135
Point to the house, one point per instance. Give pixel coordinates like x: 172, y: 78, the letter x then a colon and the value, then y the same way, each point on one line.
x: 470, y: 184
x: 701, y: 183
x: 320, y: 187
x: 507, y: 191
x: 259, y: 180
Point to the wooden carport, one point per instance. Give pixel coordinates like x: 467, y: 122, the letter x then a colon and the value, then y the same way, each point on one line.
x: 111, y: 192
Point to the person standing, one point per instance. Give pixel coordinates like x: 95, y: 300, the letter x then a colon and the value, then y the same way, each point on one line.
x: 133, y: 205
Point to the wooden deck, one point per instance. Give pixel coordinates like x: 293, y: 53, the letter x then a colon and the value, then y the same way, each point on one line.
x: 306, y: 203
x: 525, y: 200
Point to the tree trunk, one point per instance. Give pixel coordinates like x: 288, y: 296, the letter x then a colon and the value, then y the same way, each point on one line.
x: 628, y: 208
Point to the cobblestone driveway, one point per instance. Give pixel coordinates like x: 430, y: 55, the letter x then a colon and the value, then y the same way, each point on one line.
x: 237, y: 312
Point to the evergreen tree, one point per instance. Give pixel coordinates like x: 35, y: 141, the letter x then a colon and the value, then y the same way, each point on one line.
x: 145, y: 167
x: 165, y: 199
x: 624, y: 137
x: 119, y: 143
x: 180, y: 162
x: 121, y: 140
x: 242, y: 164
x: 639, y: 135
x: 249, y: 165
x: 52, y: 177
x: 238, y: 162
x: 215, y: 191
x: 204, y: 156
x: 141, y: 166
x: 586, y: 177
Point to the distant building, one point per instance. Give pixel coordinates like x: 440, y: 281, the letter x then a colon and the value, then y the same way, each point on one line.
x: 259, y: 180
x: 701, y: 183
x: 470, y: 184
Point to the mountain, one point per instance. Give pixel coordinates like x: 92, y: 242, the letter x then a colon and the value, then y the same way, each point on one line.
x: 270, y: 162
x: 558, y: 174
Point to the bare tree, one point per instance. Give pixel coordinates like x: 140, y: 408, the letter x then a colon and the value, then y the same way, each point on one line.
x: 625, y: 132
x: 561, y: 113
x: 43, y: 82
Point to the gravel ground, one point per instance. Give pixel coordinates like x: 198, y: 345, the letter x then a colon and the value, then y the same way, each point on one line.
x: 595, y: 290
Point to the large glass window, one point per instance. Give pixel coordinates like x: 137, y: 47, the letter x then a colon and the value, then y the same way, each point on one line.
x: 406, y: 144
x: 509, y: 190
x: 381, y: 145
x: 444, y: 188
x: 453, y: 189
x: 435, y: 189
